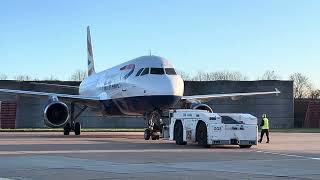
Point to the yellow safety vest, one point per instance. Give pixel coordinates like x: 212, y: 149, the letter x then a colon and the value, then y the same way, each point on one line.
x: 265, y: 123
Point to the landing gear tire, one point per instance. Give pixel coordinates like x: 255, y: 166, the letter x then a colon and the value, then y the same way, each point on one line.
x: 147, y: 134
x: 155, y: 125
x: 155, y: 137
x: 178, y: 133
x: 66, y: 129
x: 202, y: 136
x: 77, y: 128
x: 245, y: 146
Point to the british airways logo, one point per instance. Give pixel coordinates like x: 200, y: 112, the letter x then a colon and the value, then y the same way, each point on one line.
x: 129, y: 68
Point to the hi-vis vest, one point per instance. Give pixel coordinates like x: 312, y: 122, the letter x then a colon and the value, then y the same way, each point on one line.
x: 265, y: 123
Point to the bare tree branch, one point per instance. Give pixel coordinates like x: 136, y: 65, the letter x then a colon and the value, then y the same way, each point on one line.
x: 301, y: 85
x: 315, y: 94
x: 23, y: 78
x: 184, y: 75
x: 270, y: 75
x: 221, y: 75
x: 79, y: 75
x: 51, y: 78
x: 3, y: 77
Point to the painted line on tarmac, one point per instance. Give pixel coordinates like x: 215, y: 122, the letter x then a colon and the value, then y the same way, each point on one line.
x: 289, y: 155
x: 103, y: 151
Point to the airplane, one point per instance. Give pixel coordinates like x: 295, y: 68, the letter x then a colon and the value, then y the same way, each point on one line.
x: 145, y: 86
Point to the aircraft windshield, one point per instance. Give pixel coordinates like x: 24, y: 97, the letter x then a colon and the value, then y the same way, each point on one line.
x: 170, y: 71
x: 139, y: 72
x: 145, y: 71
x: 157, y: 71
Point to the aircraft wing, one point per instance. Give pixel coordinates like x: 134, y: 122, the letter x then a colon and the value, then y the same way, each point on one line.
x: 233, y: 96
x: 66, y: 97
x: 55, y: 85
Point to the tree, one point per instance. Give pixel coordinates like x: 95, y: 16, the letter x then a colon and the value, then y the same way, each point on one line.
x: 78, y: 75
x: 220, y: 75
x: 301, y: 85
x: 23, y: 78
x: 270, y: 75
x: 315, y: 94
x: 201, y: 76
x: 184, y: 75
x: 51, y: 78
x: 3, y: 77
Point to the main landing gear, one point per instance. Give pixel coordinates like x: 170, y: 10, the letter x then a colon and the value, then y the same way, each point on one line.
x: 73, y: 125
x: 155, y: 126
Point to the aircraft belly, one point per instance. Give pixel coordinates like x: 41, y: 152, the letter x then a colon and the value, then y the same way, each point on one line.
x: 139, y: 105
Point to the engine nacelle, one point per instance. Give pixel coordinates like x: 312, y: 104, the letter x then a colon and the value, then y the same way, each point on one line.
x: 201, y: 107
x: 56, y: 114
x: 192, y: 104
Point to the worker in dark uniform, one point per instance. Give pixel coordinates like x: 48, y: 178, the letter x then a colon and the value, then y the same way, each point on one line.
x: 264, y: 127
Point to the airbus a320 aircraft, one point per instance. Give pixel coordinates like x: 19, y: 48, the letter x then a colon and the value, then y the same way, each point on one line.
x: 145, y: 86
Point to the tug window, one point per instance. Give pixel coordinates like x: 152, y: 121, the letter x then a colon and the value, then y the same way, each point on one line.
x: 157, y: 71
x: 170, y: 71
x: 145, y: 71
x: 139, y: 72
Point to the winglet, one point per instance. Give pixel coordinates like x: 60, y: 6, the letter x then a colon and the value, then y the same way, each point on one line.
x: 277, y: 91
x: 91, y: 69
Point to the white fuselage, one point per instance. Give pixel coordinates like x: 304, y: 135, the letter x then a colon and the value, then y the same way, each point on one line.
x: 157, y: 87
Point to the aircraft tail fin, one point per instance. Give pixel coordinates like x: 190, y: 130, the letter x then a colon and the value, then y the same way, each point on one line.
x: 91, y: 68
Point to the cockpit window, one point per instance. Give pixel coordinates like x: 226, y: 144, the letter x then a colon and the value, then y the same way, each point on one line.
x: 157, y: 71
x: 139, y: 72
x: 145, y: 71
x: 170, y: 71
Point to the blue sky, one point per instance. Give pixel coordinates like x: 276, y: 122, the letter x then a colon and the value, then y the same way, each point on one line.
x: 42, y: 38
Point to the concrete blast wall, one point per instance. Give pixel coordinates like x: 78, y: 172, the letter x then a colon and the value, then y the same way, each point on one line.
x: 279, y: 108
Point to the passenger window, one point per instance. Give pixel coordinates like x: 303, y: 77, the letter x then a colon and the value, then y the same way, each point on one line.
x: 139, y: 72
x: 157, y: 71
x: 145, y: 71
x: 170, y: 71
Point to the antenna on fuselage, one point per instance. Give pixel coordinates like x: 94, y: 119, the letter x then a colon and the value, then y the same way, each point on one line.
x: 150, y: 52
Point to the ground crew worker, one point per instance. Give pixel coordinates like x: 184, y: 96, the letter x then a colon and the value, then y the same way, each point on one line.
x: 264, y: 127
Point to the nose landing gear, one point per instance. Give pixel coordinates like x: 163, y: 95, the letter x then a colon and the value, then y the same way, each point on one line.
x: 155, y: 126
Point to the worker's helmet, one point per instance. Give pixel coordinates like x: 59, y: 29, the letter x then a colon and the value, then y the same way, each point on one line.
x: 264, y: 115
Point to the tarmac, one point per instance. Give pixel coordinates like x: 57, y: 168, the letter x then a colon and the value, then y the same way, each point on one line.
x: 111, y: 155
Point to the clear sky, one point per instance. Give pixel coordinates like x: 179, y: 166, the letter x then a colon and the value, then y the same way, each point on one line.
x: 42, y: 38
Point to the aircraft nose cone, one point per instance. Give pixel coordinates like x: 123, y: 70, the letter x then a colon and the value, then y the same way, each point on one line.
x: 177, y: 86
x: 167, y: 86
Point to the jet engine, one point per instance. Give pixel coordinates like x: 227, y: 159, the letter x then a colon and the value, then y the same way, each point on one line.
x: 201, y: 107
x: 56, y: 113
x: 191, y: 104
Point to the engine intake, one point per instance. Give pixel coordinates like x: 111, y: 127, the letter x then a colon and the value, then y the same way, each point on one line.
x: 202, y: 107
x: 56, y: 114
x: 190, y: 104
